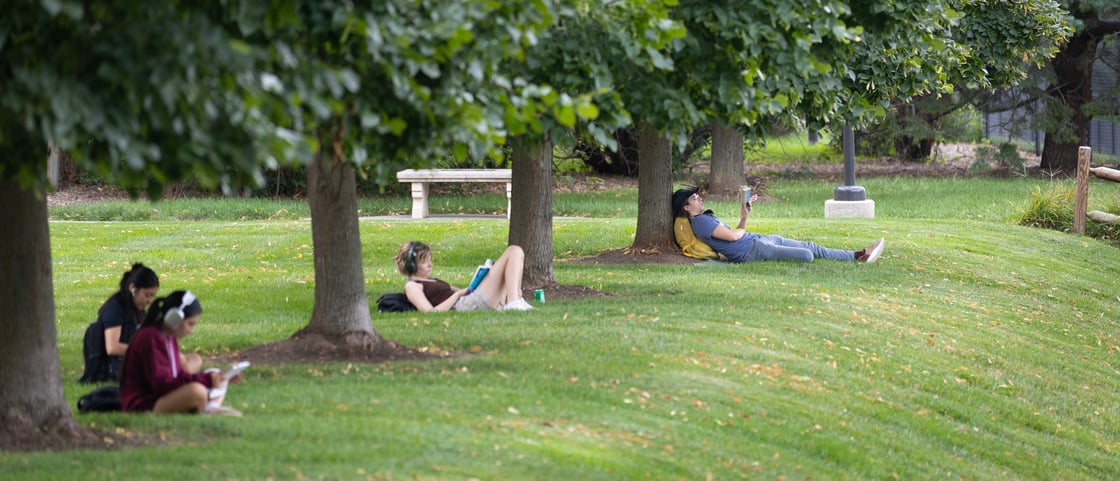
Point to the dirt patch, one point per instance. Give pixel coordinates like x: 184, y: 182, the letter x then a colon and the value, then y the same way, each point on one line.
x: 628, y: 255
x: 314, y: 348
x: 556, y: 292
x: 78, y: 194
x: 64, y: 434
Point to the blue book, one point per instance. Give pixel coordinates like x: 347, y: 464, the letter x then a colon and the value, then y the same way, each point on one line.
x: 479, y: 275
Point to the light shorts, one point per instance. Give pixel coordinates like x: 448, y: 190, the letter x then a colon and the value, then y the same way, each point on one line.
x: 474, y: 301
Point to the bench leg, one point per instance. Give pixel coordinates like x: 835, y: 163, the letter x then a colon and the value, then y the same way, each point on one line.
x: 509, y: 199
x: 419, y: 200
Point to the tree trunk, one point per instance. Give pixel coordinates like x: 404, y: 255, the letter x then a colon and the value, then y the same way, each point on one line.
x: 32, y: 400
x: 917, y: 123
x: 530, y: 222
x: 655, y: 186
x: 341, y: 311
x: 727, y: 172
x: 1072, y: 90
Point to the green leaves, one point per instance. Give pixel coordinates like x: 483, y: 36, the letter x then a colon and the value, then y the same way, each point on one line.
x: 160, y: 92
x: 71, y: 10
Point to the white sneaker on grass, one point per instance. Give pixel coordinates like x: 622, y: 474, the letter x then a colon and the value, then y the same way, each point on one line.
x: 213, y: 410
x: 518, y: 305
x: 872, y: 252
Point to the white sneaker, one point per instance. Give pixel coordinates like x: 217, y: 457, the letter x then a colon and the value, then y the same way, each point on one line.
x: 221, y: 411
x: 518, y: 305
x: 872, y: 253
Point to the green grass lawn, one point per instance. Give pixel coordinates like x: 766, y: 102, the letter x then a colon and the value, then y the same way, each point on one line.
x: 974, y: 349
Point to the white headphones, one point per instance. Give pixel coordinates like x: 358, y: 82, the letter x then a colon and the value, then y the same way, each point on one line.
x: 175, y: 315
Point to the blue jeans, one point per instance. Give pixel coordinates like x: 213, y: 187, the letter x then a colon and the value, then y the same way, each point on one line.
x: 772, y: 247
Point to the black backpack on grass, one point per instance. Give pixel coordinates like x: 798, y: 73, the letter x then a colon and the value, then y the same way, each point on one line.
x: 102, y: 399
x: 394, y: 302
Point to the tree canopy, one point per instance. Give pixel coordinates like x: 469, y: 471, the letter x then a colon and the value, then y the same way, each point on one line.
x: 142, y: 95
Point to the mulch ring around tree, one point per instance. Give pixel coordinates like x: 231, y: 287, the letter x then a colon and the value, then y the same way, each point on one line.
x: 65, y: 435
x: 314, y: 348
x: 629, y: 255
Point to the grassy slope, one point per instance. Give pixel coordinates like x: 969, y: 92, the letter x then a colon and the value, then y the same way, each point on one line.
x: 974, y: 350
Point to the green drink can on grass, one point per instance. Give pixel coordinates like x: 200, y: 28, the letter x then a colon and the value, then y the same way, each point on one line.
x: 538, y: 295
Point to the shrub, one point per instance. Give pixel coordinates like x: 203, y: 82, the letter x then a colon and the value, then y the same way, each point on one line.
x: 1005, y: 155
x: 1052, y: 209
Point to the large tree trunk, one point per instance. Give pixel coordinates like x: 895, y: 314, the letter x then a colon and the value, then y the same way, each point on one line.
x: 341, y: 311
x: 727, y: 172
x: 1072, y: 90
x: 918, y: 122
x: 32, y: 400
x: 530, y: 221
x: 655, y: 186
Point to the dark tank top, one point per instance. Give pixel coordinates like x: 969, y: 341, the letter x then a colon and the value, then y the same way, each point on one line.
x: 436, y: 291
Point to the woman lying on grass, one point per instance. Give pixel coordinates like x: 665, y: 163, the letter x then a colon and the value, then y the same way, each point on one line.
x: 500, y: 289
x: 153, y: 378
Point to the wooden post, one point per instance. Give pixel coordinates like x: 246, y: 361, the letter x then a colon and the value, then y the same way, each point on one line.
x: 1081, y: 197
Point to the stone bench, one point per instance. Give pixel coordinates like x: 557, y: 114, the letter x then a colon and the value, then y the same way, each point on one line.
x: 420, y: 178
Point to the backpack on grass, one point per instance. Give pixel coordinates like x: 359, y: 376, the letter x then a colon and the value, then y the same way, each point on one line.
x: 394, y: 302
x: 102, y: 399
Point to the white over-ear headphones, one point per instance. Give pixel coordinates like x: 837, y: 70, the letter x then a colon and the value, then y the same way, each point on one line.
x: 175, y: 315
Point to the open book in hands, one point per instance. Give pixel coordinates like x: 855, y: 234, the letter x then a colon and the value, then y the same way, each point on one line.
x: 237, y: 368
x: 219, y: 391
x: 479, y: 275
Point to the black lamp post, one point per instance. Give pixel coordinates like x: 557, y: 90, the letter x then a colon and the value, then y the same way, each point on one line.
x: 849, y: 191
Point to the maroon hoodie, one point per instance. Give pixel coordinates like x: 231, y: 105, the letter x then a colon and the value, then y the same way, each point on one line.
x: 152, y: 369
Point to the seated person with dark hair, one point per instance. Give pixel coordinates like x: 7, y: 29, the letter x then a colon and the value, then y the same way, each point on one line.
x: 738, y: 245
x: 107, y: 338
x: 153, y: 377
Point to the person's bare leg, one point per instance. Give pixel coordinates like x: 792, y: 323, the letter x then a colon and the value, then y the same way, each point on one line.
x: 187, y: 398
x: 513, y: 272
x: 503, y: 284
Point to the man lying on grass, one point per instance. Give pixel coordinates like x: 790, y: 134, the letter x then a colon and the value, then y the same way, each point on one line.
x: 738, y: 245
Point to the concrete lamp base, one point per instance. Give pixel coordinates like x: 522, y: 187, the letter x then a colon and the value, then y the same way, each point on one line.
x: 838, y: 209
